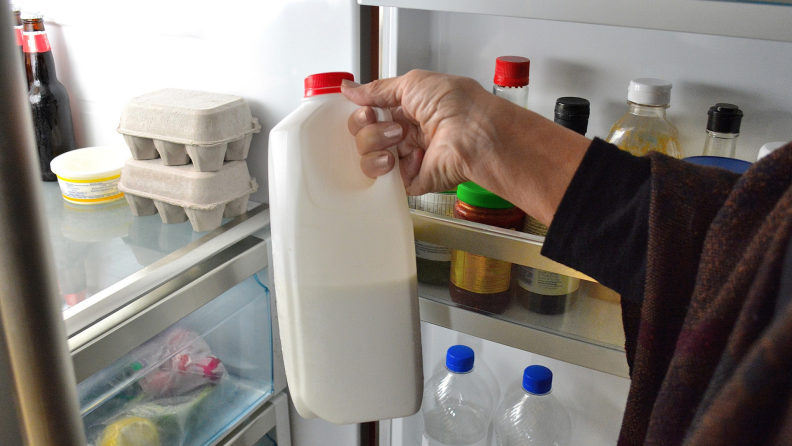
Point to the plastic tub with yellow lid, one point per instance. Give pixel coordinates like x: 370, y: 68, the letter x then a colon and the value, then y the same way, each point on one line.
x: 90, y: 176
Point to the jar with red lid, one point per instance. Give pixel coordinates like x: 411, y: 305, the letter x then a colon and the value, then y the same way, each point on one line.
x: 476, y: 281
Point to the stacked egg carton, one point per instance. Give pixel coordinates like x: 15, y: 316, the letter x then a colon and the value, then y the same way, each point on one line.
x: 188, y: 156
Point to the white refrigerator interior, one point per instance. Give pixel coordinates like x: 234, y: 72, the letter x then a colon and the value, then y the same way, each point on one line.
x: 107, y: 53
x: 597, y: 62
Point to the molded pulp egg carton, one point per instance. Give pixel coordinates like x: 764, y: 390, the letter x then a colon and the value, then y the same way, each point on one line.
x: 183, y: 125
x: 179, y: 193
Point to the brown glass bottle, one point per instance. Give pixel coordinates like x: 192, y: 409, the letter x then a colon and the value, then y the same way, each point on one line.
x: 49, y: 101
x: 476, y: 281
x: 17, y: 13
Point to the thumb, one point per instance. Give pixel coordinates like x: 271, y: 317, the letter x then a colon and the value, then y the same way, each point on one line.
x: 383, y: 93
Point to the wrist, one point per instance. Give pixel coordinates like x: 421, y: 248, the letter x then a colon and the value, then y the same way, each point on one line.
x: 531, y: 160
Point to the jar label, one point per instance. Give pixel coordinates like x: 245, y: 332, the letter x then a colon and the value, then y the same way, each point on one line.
x: 479, y: 274
x: 532, y: 226
x: 18, y: 33
x: 546, y: 283
x: 90, y: 191
x: 440, y: 204
x: 35, y: 42
x: 430, y: 251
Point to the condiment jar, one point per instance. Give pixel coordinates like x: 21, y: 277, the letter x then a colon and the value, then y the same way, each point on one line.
x: 480, y: 282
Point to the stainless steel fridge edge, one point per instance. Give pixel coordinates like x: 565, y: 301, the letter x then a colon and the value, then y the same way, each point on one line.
x: 144, y: 281
x: 44, y: 389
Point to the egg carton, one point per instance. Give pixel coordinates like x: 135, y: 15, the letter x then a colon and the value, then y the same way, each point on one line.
x: 179, y: 193
x: 180, y: 126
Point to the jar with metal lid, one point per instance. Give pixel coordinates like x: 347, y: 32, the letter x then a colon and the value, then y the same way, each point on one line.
x: 433, y: 262
x: 476, y: 281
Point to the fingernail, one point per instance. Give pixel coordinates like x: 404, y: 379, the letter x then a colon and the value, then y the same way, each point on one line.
x: 349, y: 84
x: 360, y: 117
x: 382, y: 161
x: 393, y: 131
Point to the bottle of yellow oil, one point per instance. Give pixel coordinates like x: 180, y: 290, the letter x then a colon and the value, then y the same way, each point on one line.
x: 645, y: 126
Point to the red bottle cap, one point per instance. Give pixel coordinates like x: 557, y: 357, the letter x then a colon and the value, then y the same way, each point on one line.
x: 324, y: 83
x: 512, y: 71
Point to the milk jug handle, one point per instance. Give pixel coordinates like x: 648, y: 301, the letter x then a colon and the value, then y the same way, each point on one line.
x: 384, y: 115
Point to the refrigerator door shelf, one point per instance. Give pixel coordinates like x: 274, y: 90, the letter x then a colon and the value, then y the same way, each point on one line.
x: 489, y: 241
x: 194, y: 381
x: 751, y: 19
x: 589, y: 333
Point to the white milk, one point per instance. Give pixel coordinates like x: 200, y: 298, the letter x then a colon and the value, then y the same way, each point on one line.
x: 344, y: 266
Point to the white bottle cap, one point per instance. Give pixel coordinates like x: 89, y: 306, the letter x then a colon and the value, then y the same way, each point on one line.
x: 769, y: 148
x: 648, y: 91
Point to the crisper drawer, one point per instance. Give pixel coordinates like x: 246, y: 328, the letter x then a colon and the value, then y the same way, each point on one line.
x: 191, y: 383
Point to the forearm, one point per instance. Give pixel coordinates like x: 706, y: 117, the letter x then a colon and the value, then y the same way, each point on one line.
x: 532, y: 161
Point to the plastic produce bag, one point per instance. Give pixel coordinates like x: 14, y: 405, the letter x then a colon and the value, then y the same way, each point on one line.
x: 192, y: 366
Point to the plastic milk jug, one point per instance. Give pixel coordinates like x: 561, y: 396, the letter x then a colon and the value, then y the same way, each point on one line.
x: 344, y: 266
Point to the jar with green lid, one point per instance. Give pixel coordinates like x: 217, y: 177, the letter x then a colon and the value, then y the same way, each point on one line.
x: 433, y: 261
x: 476, y: 281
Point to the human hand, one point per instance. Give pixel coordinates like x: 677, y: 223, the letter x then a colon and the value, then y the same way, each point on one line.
x: 448, y: 130
x: 441, y: 126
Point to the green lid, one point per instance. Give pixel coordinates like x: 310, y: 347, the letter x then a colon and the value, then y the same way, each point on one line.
x: 475, y: 195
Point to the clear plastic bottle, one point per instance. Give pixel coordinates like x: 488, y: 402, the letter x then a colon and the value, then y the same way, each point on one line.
x: 511, y: 79
x: 723, y: 128
x: 645, y: 126
x: 533, y: 417
x: 457, y: 403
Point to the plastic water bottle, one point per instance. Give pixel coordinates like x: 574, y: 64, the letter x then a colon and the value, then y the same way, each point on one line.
x: 344, y: 264
x: 533, y: 417
x: 457, y: 403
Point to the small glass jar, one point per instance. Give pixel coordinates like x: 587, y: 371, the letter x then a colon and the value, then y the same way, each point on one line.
x: 433, y: 262
x: 723, y: 128
x: 476, y: 281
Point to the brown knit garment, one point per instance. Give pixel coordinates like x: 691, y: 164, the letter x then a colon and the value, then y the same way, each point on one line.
x: 711, y: 361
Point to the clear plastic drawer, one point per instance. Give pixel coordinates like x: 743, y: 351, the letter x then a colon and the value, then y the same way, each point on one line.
x: 192, y: 382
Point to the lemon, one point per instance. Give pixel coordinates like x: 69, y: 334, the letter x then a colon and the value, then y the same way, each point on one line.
x: 130, y: 431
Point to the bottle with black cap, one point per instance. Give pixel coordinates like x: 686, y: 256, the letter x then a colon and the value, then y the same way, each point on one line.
x: 723, y: 128
x: 542, y: 291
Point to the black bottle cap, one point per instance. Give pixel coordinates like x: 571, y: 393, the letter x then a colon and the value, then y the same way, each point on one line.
x: 724, y: 118
x: 573, y: 113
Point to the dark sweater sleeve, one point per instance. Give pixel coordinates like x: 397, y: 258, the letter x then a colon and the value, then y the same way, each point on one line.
x: 602, y: 224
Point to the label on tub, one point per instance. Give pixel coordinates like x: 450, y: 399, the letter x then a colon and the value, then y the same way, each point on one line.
x: 100, y: 190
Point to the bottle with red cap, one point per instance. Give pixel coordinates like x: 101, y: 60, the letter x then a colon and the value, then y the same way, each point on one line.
x: 511, y: 79
x: 344, y: 265
x: 49, y: 101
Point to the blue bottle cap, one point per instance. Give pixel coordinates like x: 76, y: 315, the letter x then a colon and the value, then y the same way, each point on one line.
x: 537, y: 379
x: 459, y: 359
x: 735, y: 165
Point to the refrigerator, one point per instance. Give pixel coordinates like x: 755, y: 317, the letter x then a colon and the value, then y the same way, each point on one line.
x: 143, y: 281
